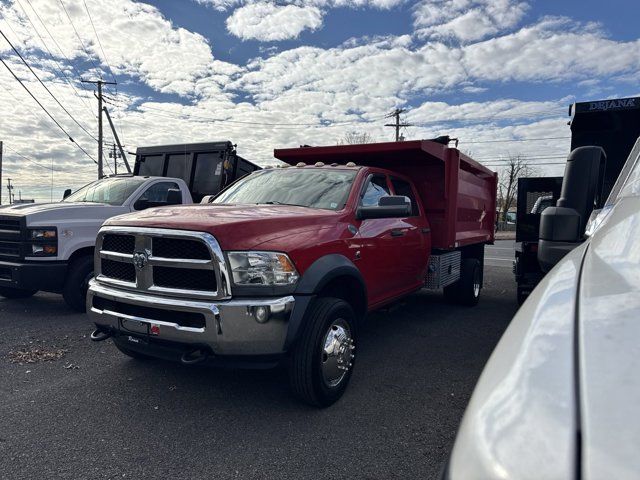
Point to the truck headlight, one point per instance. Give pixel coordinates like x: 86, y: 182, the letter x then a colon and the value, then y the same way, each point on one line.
x: 262, y: 268
x: 41, y: 233
x: 44, y: 250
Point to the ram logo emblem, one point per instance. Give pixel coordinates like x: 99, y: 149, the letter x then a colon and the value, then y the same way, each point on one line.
x: 140, y: 259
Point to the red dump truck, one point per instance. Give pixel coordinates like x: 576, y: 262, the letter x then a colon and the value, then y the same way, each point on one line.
x: 283, y: 265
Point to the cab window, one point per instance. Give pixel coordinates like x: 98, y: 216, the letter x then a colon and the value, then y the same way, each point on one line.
x: 156, y: 195
x: 375, y: 189
x: 400, y: 187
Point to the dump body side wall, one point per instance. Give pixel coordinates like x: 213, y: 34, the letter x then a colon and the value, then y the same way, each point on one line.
x: 458, y: 194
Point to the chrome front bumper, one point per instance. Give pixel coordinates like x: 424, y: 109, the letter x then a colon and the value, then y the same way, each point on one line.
x: 230, y: 326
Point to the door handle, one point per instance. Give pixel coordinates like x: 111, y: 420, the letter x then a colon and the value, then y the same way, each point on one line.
x: 397, y: 233
x: 426, y: 230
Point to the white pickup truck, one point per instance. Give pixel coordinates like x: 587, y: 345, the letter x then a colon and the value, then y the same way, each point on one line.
x: 49, y: 246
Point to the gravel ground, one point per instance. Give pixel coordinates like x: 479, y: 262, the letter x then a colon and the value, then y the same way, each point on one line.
x: 70, y: 408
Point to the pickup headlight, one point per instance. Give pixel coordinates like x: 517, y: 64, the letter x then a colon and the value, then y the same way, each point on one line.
x: 262, y: 268
x: 42, y: 233
x: 44, y: 250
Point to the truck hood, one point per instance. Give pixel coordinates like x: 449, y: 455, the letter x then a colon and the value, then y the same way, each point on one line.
x: 53, y: 213
x: 236, y: 227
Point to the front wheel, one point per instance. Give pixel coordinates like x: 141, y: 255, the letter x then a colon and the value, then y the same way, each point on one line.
x: 323, y: 358
x: 466, y: 291
x: 8, y: 292
x: 76, y: 284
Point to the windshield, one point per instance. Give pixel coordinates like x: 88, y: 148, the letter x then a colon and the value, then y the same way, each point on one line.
x: 314, y: 188
x: 113, y: 191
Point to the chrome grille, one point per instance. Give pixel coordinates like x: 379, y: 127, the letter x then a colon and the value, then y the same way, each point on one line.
x: 119, y: 243
x: 123, y: 271
x: 169, y: 262
x: 179, y: 248
x: 184, y: 278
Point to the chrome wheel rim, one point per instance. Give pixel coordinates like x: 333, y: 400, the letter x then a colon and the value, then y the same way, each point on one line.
x: 338, y: 352
x: 476, y: 285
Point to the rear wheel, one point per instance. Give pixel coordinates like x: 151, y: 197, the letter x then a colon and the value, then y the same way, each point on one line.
x: 466, y: 291
x: 8, y: 292
x: 323, y: 358
x: 76, y: 284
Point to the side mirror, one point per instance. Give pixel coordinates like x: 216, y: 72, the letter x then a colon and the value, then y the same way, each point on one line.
x: 174, y: 196
x: 562, y: 228
x: 66, y: 193
x: 388, y: 207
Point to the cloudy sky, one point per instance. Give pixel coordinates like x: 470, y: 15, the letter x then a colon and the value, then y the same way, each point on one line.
x: 280, y: 73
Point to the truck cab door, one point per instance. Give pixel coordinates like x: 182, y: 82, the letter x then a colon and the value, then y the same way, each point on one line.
x: 416, y: 231
x: 381, y: 244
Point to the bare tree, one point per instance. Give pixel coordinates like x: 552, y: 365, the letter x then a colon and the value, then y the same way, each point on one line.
x: 353, y: 138
x: 515, y: 167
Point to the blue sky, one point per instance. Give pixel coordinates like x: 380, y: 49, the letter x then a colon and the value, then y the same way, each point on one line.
x: 198, y: 70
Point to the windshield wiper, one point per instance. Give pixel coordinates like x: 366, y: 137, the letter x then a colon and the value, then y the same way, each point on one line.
x: 275, y: 202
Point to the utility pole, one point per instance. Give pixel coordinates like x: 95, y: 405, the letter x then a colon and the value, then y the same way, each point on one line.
x: 115, y: 135
x: 0, y: 172
x: 396, y: 113
x: 10, y: 188
x: 115, y: 155
x: 99, y: 83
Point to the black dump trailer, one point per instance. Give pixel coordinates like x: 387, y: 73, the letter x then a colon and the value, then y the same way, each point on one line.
x: 207, y: 168
x: 613, y: 125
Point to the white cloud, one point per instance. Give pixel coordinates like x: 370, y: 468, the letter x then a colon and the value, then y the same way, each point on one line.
x: 269, y: 22
x: 466, y: 20
x: 358, y: 81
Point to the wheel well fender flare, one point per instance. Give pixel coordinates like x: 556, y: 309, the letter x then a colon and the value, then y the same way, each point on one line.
x: 317, y: 278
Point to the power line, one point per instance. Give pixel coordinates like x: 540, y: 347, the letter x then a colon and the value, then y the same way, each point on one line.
x: 506, y: 140
x: 180, y: 115
x: 60, y: 70
x: 80, y: 39
x: 33, y: 161
x: 55, y: 41
x: 45, y: 110
x: 46, y: 88
x: 99, y: 42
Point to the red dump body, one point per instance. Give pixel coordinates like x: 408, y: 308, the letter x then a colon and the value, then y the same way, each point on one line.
x: 458, y: 193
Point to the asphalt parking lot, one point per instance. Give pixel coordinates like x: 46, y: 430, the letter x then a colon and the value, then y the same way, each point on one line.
x: 90, y: 412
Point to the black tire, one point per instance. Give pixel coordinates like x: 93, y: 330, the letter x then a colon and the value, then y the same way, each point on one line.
x: 466, y: 291
x: 308, y: 360
x: 521, y: 296
x: 76, y: 283
x: 128, y: 352
x: 8, y: 292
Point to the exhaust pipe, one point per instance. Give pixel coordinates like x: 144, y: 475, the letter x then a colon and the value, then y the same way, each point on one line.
x: 194, y: 356
x: 99, y: 335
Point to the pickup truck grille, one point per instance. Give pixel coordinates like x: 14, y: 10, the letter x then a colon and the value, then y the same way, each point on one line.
x: 123, y: 271
x: 12, y: 238
x: 164, y: 262
x: 119, y: 243
x: 180, y: 248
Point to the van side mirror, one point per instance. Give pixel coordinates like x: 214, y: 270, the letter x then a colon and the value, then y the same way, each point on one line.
x: 388, y: 207
x: 562, y: 228
x: 66, y: 193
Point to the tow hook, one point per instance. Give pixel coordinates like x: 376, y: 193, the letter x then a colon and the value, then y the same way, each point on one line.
x: 194, y: 356
x: 99, y: 335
